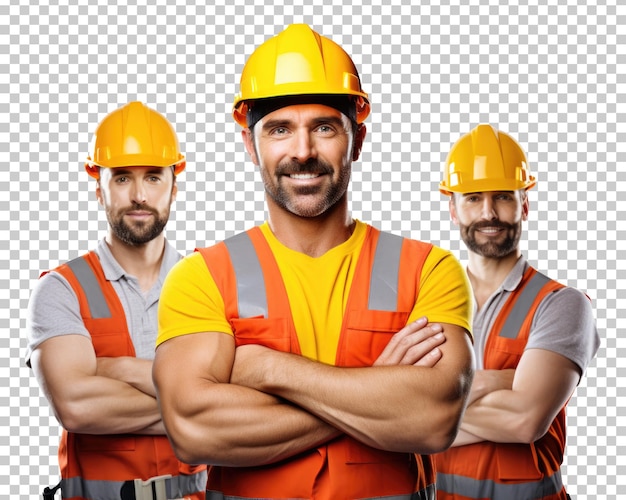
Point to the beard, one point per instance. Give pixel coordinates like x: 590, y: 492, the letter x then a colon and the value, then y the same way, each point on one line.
x: 138, y: 233
x: 492, y: 249
x: 317, y: 202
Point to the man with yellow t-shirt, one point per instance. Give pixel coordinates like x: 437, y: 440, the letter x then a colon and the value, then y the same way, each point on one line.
x: 313, y: 356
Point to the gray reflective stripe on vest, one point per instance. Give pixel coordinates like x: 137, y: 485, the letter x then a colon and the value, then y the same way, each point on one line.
x: 518, y: 315
x: 251, y: 292
x: 427, y: 493
x: 98, y: 306
x: 108, y: 490
x: 251, y: 295
x: 486, y: 488
x: 385, y: 273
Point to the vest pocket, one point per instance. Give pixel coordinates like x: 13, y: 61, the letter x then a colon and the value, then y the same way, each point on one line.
x: 102, y: 444
x: 269, y: 332
x: 517, y: 462
x: 367, y: 334
x: 505, y: 353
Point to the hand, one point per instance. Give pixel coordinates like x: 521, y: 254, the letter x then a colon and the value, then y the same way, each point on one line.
x: 488, y: 381
x: 133, y: 371
x: 416, y: 344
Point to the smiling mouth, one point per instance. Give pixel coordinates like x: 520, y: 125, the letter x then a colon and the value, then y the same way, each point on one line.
x: 303, y: 176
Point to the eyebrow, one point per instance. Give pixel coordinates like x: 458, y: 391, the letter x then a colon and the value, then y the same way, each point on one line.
x: 334, y: 120
x: 127, y: 171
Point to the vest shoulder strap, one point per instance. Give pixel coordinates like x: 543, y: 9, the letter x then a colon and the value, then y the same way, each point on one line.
x: 515, y: 317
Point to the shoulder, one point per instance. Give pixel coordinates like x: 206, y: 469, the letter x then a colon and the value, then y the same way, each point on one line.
x: 566, y: 300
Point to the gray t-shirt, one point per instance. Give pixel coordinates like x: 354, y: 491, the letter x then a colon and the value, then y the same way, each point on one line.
x: 53, y: 308
x: 563, y: 323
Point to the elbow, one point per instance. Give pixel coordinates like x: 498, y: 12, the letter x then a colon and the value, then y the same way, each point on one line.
x: 73, y: 417
x: 446, y: 427
x: 185, y: 447
x: 529, y: 429
x: 443, y: 435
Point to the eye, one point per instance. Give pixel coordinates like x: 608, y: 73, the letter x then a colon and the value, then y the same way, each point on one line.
x: 278, y: 131
x: 326, y: 129
x: 120, y: 179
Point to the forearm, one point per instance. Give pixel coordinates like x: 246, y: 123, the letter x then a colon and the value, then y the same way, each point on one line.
x: 230, y: 425
x: 397, y: 408
x: 503, y: 416
x: 133, y: 371
x: 100, y: 405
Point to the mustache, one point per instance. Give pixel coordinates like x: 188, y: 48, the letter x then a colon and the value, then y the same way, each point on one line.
x: 139, y: 207
x: 310, y: 166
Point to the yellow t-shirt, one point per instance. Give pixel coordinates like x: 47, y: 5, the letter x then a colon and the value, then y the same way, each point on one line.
x: 318, y: 290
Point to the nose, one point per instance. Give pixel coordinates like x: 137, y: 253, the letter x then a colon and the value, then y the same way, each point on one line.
x: 303, y: 147
x: 138, y: 192
x: 488, y: 209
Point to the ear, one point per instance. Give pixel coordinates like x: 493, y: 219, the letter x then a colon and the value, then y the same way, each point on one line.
x: 174, y: 191
x: 525, y: 206
x: 452, y: 207
x: 359, y: 138
x: 99, y: 193
x: 248, y: 142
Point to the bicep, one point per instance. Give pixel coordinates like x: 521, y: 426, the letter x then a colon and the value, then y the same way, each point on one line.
x: 544, y: 381
x: 185, y: 361
x: 61, y: 359
x: 457, y: 360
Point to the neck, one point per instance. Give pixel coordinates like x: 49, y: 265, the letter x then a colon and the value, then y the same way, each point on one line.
x: 312, y: 236
x: 142, y: 261
x: 487, y: 274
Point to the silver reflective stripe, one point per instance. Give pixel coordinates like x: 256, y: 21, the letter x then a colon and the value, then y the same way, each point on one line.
x: 107, y: 490
x: 427, y: 493
x: 94, y: 490
x: 98, y: 306
x: 251, y: 294
x: 383, y: 294
x: 486, y: 488
x: 518, y: 315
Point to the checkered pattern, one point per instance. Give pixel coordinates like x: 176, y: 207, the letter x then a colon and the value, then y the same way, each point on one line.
x: 552, y: 76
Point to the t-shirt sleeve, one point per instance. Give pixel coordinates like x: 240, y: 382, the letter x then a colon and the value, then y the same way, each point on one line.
x: 190, y: 301
x: 564, y: 324
x: 445, y: 295
x: 53, y: 310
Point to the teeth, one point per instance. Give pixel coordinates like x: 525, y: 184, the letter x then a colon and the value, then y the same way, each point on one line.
x: 303, y: 176
x: 489, y: 230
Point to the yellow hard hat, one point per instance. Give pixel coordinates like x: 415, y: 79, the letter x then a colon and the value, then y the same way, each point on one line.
x: 486, y: 160
x: 134, y: 135
x: 299, y: 61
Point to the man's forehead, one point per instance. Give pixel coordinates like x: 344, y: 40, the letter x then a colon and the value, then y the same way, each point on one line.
x: 300, y: 111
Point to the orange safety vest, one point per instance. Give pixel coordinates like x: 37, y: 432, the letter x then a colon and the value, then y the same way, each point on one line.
x: 104, y: 466
x: 382, y: 295
x: 508, y: 471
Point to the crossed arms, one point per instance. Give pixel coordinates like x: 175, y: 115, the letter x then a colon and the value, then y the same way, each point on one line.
x: 92, y: 395
x: 252, y: 405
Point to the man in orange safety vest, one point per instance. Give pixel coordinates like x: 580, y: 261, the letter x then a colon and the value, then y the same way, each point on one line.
x: 533, y: 336
x: 312, y: 356
x: 92, y: 323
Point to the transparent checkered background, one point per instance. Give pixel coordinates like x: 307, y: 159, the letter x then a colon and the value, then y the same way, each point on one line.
x: 553, y: 77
